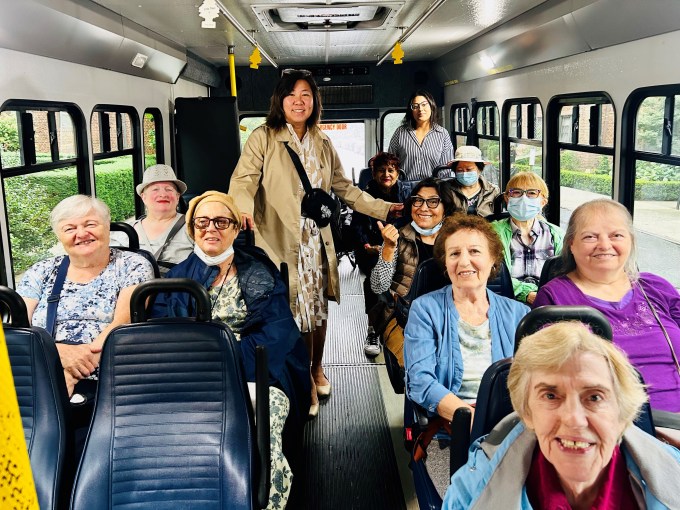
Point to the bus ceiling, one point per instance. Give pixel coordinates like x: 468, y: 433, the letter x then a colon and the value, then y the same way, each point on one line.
x: 461, y: 40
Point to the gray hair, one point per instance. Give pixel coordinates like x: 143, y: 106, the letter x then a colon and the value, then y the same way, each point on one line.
x: 576, y: 222
x: 77, y: 206
x: 551, y: 347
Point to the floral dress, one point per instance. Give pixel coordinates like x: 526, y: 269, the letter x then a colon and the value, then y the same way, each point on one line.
x: 229, y: 306
x: 311, y: 303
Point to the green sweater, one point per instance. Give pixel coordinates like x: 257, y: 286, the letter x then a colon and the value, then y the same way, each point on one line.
x: 504, y: 230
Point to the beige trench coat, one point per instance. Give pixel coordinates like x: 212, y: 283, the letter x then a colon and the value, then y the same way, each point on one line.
x: 266, y: 185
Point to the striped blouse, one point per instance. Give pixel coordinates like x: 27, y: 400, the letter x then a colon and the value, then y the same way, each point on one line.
x: 418, y: 160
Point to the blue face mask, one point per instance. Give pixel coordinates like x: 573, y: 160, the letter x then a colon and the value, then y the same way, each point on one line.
x: 426, y: 231
x: 467, y: 178
x: 523, y: 208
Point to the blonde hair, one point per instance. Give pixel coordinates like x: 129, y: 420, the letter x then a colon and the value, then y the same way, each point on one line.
x: 551, y: 347
x: 528, y: 180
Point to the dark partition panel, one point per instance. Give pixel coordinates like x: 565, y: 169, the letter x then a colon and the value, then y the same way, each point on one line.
x: 207, y: 141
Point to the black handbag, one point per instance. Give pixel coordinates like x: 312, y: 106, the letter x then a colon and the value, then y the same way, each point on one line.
x: 317, y: 204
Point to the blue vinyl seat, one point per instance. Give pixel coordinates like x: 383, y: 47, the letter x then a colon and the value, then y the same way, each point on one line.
x: 173, y: 425
x: 43, y: 400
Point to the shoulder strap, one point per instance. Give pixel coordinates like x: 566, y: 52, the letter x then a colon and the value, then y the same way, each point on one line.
x: 55, y: 295
x: 175, y: 228
x: 300, y: 170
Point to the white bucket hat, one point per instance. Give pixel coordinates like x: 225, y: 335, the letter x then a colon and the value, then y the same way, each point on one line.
x: 469, y: 153
x: 160, y: 173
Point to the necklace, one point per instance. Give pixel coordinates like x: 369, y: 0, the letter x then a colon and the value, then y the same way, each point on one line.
x: 219, y: 292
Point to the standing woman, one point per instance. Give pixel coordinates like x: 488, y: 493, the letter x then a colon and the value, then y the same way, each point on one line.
x: 420, y: 143
x: 268, y: 191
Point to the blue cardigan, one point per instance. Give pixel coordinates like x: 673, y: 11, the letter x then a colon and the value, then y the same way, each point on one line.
x: 269, y: 321
x: 432, y: 356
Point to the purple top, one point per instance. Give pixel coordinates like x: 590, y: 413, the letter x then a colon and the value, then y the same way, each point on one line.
x: 636, y: 330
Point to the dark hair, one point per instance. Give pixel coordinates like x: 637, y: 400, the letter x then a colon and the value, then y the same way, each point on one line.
x: 434, y: 113
x: 479, y: 164
x: 383, y: 159
x: 462, y: 221
x: 276, y: 118
x: 442, y: 191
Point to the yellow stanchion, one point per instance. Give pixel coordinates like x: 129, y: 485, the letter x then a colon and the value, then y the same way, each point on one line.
x: 17, y: 491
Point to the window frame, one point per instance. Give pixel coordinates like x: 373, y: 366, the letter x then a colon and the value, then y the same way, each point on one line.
x: 553, y: 146
x: 461, y: 112
x: 158, y: 126
x: 506, y: 139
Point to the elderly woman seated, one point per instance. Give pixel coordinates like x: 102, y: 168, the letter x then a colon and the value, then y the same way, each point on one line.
x: 248, y: 295
x: 161, y: 229
x: 94, y: 284
x: 576, y: 446
x: 455, y: 333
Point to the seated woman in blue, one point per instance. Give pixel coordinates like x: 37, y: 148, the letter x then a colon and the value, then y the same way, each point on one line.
x: 248, y: 295
x: 455, y: 333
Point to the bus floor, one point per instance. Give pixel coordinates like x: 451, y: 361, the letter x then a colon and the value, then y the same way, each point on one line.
x: 353, y: 457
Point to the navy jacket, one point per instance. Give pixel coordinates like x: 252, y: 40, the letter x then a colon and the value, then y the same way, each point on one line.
x: 269, y: 321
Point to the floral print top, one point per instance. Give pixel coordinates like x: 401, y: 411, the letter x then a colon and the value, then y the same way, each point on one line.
x: 84, y: 309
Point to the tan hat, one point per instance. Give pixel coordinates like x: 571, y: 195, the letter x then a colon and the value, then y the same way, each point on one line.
x: 160, y: 173
x: 211, y: 196
x: 469, y: 153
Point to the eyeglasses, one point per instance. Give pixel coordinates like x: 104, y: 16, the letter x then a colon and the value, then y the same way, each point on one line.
x: 221, y: 223
x: 517, y: 192
x: 303, y: 72
x: 432, y: 203
x: 419, y: 106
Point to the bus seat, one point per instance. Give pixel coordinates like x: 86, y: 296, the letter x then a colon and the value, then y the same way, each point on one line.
x: 365, y: 175
x: 499, y: 210
x: 172, y: 418
x: 551, y: 268
x: 43, y: 401
x: 133, y: 244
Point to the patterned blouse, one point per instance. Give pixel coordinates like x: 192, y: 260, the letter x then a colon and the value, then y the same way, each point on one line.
x: 229, y: 306
x: 84, y: 309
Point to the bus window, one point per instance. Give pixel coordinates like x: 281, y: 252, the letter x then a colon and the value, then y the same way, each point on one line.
x: 40, y: 151
x: 116, y: 156
x: 488, y: 139
x: 152, y: 132
x: 390, y: 123
x: 247, y: 125
x: 657, y: 185
x: 349, y: 140
x: 585, y: 140
x: 524, y: 121
x: 460, y: 123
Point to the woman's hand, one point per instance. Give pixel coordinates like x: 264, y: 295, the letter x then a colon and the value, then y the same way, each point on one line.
x: 247, y: 222
x: 70, y: 383
x: 395, y: 211
x: 389, y: 234
x: 531, y: 297
x: 79, y: 360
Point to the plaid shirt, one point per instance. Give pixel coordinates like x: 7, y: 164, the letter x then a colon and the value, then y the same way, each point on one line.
x: 527, y: 261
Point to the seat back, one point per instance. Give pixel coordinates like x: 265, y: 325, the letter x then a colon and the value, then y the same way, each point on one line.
x: 43, y: 400
x: 551, y: 268
x: 172, y: 421
x: 499, y: 210
x: 493, y: 399
x: 133, y: 244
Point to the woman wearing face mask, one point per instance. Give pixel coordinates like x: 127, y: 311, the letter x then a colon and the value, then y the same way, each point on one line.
x: 528, y: 240
x: 401, y: 252
x: 470, y: 191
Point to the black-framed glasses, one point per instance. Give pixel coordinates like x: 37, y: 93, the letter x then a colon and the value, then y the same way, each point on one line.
x: 432, y: 203
x: 221, y: 223
x: 303, y: 72
x: 518, y: 192
x: 419, y: 106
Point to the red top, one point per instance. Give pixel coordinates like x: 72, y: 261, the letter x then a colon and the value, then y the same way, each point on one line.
x: 545, y: 491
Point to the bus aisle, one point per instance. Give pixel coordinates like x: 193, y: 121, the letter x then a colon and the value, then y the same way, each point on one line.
x: 353, y: 456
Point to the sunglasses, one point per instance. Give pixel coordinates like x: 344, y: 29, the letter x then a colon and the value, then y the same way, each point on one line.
x: 419, y: 106
x: 221, y: 223
x: 517, y: 192
x: 303, y: 72
x: 432, y: 203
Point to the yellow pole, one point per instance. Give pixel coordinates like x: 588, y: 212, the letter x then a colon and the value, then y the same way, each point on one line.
x: 232, y: 71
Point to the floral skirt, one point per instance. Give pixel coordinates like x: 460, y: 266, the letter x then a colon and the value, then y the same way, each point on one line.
x: 311, y: 303
x: 281, y: 475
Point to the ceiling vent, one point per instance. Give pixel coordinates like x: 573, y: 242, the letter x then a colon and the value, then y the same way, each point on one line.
x: 292, y: 17
x: 346, y: 94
